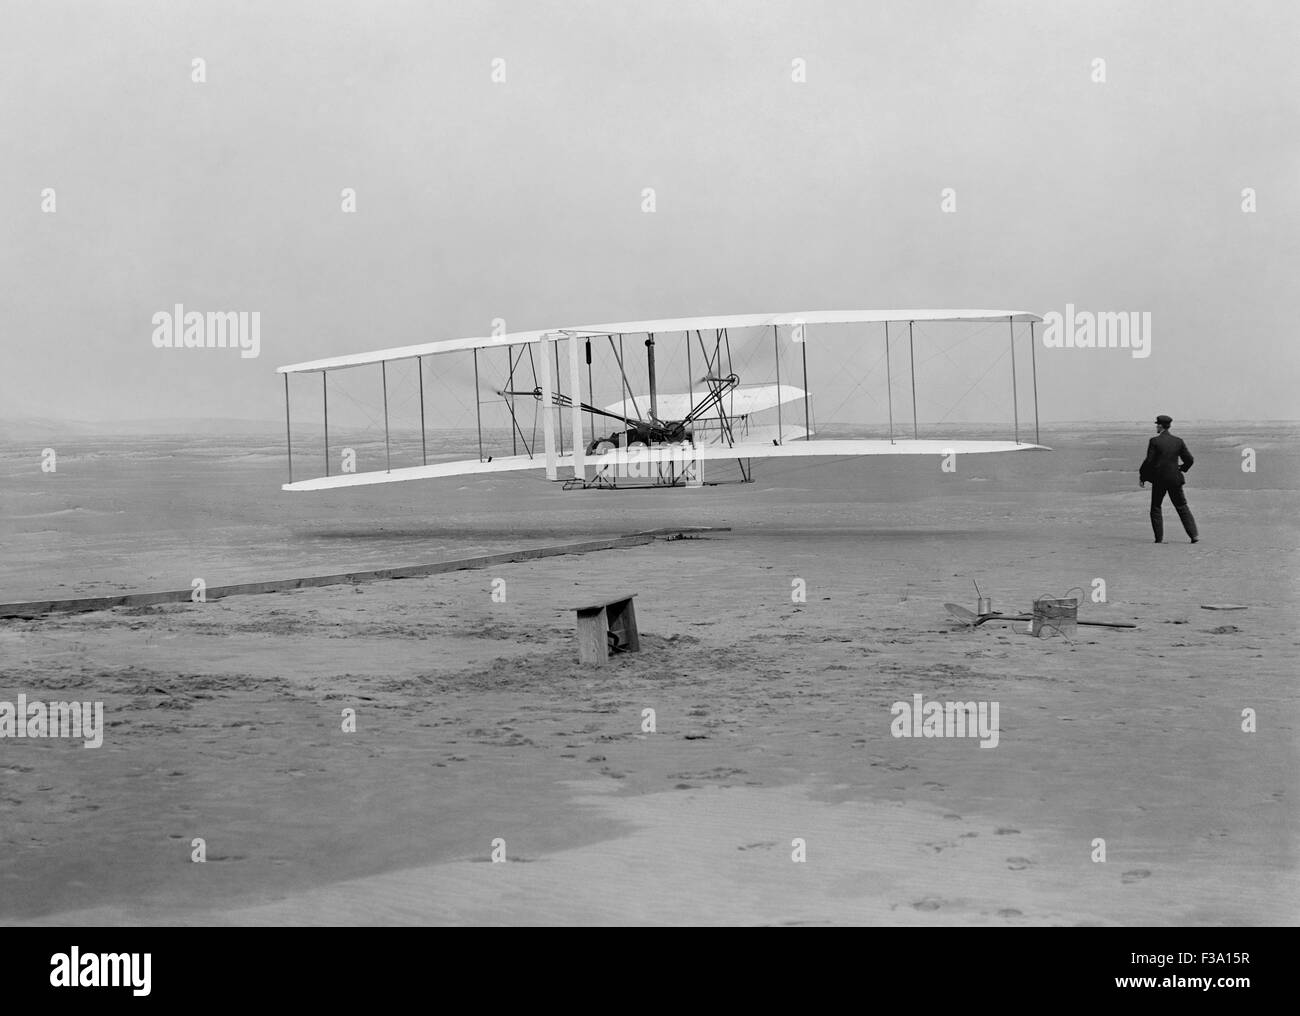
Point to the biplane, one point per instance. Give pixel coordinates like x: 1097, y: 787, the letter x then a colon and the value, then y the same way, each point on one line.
x: 646, y: 436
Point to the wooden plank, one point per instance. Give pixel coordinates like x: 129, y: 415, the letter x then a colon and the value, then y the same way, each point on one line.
x: 36, y: 608
x: 624, y: 625
x: 593, y: 640
x: 608, y: 601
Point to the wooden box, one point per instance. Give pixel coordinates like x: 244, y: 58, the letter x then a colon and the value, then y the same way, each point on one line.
x: 607, y: 628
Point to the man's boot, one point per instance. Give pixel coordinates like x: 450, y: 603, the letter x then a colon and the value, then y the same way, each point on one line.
x: 1189, y: 523
x: 1158, y: 524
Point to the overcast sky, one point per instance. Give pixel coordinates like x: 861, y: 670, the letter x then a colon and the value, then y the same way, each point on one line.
x: 523, y: 199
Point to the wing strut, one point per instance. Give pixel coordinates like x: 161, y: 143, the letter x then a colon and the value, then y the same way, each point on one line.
x: 591, y: 390
x: 911, y: 355
x: 532, y: 365
x: 623, y: 375
x: 650, y: 366
x: 575, y: 382
x: 690, y: 375
x: 888, y: 386
x: 325, y: 400
x: 510, y: 383
x: 383, y: 367
x: 424, y: 451
x: 288, y: 431
x: 548, y: 421
x: 478, y: 408
x: 1015, y: 404
x: 776, y: 346
x: 803, y: 348
x: 1033, y: 357
x: 559, y: 389
x: 723, y: 336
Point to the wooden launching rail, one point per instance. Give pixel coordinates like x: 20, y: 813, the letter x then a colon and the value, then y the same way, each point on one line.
x: 35, y: 608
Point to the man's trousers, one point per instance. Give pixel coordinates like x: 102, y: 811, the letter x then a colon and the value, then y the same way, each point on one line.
x: 1179, y: 501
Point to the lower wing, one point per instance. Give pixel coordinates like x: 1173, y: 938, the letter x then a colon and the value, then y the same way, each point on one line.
x: 679, y: 455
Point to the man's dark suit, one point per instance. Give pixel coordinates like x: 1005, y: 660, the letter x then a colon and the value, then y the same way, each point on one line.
x: 1167, y: 459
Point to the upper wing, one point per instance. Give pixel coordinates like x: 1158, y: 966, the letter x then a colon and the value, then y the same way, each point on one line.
x: 786, y: 318
x: 677, y: 454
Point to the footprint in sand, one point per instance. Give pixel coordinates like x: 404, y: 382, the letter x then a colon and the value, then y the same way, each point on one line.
x: 765, y: 845
x: 1005, y: 831
x: 1010, y: 912
x: 1136, y: 875
x: 1018, y: 863
x: 927, y: 904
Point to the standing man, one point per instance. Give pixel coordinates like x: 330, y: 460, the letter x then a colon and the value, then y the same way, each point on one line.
x: 1166, y: 462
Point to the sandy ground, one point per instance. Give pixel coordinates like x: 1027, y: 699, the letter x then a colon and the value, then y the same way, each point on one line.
x: 475, y: 722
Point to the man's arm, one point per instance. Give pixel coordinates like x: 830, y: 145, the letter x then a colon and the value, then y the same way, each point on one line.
x: 1144, y: 471
x: 1184, y: 455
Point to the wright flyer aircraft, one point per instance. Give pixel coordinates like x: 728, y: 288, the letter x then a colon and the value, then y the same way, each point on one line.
x: 638, y: 403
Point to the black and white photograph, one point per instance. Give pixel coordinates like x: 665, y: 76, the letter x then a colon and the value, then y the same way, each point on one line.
x: 608, y: 463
